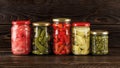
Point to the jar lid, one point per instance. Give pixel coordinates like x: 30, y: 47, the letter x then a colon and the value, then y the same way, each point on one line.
x: 61, y: 20
x: 99, y: 32
x: 20, y: 22
x: 80, y: 24
x: 41, y: 24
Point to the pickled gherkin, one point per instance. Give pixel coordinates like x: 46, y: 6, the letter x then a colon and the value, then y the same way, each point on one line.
x: 41, y: 38
x: 99, y: 42
x: 80, y: 38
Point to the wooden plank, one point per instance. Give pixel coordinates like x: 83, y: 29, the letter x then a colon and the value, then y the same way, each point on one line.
x: 97, y: 12
x: 27, y: 65
x: 70, y: 61
x: 5, y: 31
x: 110, y: 28
x: 114, y: 35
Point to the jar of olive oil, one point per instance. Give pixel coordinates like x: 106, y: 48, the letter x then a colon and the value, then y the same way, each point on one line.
x: 80, y: 38
x: 99, y: 42
x: 41, y: 40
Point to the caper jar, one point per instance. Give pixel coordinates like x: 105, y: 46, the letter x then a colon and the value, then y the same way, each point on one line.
x: 41, y: 38
x: 99, y: 42
x: 80, y: 38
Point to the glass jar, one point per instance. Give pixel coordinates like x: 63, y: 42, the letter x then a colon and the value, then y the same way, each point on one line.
x: 80, y: 38
x: 61, y: 36
x: 99, y: 42
x: 20, y: 37
x: 41, y: 38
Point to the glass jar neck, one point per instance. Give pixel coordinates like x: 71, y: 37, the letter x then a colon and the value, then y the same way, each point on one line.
x: 64, y: 22
x: 20, y: 24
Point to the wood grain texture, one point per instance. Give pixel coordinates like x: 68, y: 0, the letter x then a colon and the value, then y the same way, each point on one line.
x: 114, y: 34
x: 5, y: 31
x: 95, y: 11
x: 102, y: 14
x: 52, y: 61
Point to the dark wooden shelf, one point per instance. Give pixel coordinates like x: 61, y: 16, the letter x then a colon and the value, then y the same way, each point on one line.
x: 51, y: 61
x: 102, y: 14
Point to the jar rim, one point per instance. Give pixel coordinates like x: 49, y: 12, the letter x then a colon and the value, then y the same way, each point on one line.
x: 95, y: 32
x: 61, y: 20
x: 81, y: 24
x: 41, y: 23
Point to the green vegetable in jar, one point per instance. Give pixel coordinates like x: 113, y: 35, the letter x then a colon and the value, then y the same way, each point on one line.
x: 99, y: 42
x: 41, y: 40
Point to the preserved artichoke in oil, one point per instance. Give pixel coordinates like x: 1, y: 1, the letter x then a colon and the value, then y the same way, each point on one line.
x: 80, y: 40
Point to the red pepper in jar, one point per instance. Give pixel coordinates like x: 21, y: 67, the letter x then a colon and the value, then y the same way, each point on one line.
x: 61, y: 36
x: 20, y: 37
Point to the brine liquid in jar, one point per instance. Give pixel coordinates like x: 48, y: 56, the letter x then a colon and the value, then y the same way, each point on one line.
x: 99, y: 42
x: 41, y: 38
x: 20, y: 37
x: 61, y: 36
x: 80, y: 38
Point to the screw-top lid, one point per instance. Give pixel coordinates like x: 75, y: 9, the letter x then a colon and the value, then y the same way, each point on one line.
x: 95, y: 32
x: 61, y: 20
x: 20, y: 22
x: 80, y: 24
x: 41, y: 24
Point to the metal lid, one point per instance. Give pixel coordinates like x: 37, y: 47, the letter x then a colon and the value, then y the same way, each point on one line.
x: 21, y: 22
x: 61, y: 20
x: 99, y: 32
x: 41, y: 24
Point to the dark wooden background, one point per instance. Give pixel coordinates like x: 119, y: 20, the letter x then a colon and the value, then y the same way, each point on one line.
x: 103, y: 14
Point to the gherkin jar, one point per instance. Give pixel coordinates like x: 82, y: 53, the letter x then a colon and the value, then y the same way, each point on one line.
x: 61, y: 36
x: 99, y: 42
x: 41, y: 39
x: 80, y: 38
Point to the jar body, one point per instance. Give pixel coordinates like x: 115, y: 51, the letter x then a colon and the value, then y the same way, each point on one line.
x: 61, y: 38
x: 80, y: 40
x: 20, y: 39
x: 41, y: 40
x: 99, y: 44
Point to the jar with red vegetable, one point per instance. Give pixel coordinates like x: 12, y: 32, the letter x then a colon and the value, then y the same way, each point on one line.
x: 61, y: 36
x: 20, y: 37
